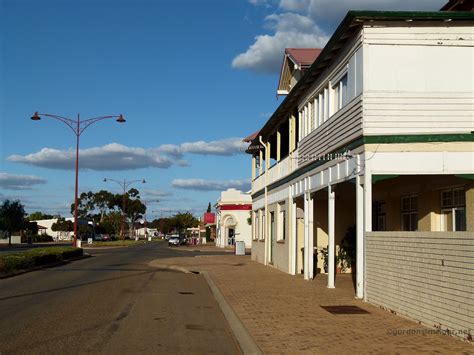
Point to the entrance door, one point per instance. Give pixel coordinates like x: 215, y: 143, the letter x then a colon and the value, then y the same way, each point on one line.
x: 272, y: 236
x: 231, y: 237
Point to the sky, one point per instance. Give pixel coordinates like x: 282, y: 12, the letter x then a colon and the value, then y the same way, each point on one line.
x: 192, y: 79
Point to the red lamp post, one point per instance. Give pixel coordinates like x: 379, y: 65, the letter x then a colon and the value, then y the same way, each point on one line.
x: 77, y: 126
x: 124, y: 185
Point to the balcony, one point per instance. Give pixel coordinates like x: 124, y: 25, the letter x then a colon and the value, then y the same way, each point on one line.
x: 278, y: 171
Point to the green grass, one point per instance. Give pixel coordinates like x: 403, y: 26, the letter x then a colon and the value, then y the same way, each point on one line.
x: 119, y: 243
x: 24, y: 260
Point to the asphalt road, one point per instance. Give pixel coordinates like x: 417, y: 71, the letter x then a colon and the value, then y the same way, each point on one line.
x: 113, y: 302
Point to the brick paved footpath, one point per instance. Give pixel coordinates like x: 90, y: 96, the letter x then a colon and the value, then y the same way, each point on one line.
x: 283, y: 313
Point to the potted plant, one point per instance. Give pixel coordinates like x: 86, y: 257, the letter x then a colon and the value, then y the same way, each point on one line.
x: 347, y: 249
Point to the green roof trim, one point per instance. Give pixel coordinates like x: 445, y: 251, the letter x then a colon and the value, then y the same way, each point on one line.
x: 465, y: 176
x: 420, y: 138
x: 377, y: 178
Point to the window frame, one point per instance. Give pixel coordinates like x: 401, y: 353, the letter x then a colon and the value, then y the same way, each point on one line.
x: 453, y: 208
x: 411, y: 211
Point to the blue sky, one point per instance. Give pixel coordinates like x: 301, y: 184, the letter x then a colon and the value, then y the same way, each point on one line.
x: 192, y: 78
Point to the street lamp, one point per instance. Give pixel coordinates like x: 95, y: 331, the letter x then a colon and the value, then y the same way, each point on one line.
x: 124, y: 185
x: 78, y: 126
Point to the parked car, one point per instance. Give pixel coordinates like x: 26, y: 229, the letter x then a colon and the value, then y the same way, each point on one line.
x: 177, y: 240
x: 174, y: 240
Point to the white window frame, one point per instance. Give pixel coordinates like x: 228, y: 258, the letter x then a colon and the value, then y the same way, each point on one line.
x: 454, y: 208
x: 255, y: 225
x: 410, y: 211
x: 339, y: 93
x: 281, y: 222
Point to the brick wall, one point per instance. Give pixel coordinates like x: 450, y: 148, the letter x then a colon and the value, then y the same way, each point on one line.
x: 426, y: 276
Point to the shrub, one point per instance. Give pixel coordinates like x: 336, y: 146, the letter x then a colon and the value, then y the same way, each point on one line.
x: 42, y: 238
x: 36, y: 257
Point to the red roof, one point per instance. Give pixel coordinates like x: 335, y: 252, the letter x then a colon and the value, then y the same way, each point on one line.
x: 251, y: 137
x: 303, y: 56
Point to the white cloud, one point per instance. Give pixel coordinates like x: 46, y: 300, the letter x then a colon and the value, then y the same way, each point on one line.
x: 210, y: 185
x: 294, y: 5
x: 156, y: 193
x: 19, y: 182
x: 116, y: 156
x: 112, y: 156
x: 291, y: 30
x: 309, y: 23
x: 227, y: 147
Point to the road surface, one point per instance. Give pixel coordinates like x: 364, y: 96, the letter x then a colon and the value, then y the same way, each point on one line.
x: 113, y: 302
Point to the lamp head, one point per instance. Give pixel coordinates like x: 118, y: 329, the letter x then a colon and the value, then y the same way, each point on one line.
x: 36, y: 116
x: 120, y: 119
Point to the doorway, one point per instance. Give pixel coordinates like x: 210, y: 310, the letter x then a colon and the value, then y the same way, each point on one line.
x: 272, y: 236
x: 231, y: 237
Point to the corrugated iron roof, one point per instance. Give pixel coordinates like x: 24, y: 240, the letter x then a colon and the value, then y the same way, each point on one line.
x: 251, y: 137
x: 303, y: 56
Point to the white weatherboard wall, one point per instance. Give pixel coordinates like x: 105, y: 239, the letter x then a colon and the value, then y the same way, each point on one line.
x: 418, y: 80
x: 426, y: 276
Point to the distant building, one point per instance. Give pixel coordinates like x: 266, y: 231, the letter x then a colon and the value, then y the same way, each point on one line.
x: 232, y: 218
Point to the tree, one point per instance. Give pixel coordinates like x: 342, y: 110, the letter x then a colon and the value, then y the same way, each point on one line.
x: 112, y: 222
x: 209, y: 208
x: 35, y: 216
x: 85, y: 205
x: 103, y: 200
x: 61, y: 225
x: 182, y: 221
x: 12, y: 217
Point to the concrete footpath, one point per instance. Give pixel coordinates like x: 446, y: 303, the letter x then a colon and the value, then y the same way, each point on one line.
x: 284, y: 314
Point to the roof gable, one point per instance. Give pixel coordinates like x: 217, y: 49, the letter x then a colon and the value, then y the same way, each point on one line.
x: 295, y: 62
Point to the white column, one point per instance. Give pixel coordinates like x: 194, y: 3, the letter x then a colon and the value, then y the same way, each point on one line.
x: 367, y: 215
x: 254, y: 167
x: 359, y: 238
x: 310, y: 236
x: 306, y: 237
x: 260, y: 165
x: 331, y: 236
x: 294, y: 235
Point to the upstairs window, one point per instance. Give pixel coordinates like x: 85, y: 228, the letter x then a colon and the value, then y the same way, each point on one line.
x: 339, y: 94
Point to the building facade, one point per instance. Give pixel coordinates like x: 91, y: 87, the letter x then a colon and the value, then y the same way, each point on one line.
x: 233, y: 218
x: 368, y: 165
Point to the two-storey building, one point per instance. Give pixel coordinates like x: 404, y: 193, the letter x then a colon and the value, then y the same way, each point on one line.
x: 373, y: 149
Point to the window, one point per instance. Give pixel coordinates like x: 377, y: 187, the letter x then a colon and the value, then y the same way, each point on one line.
x: 315, y: 113
x: 255, y: 226
x: 409, y: 213
x: 339, y: 94
x: 379, y: 220
x: 453, y: 210
x: 263, y: 230
x: 319, y: 108
x: 281, y: 222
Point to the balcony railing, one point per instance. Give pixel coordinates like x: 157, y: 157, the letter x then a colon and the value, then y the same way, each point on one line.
x: 276, y: 172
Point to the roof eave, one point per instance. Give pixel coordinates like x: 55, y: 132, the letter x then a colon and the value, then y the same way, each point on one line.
x: 352, y: 19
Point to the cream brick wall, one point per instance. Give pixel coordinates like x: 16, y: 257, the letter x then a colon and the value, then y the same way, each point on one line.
x: 470, y: 208
x: 427, y: 276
